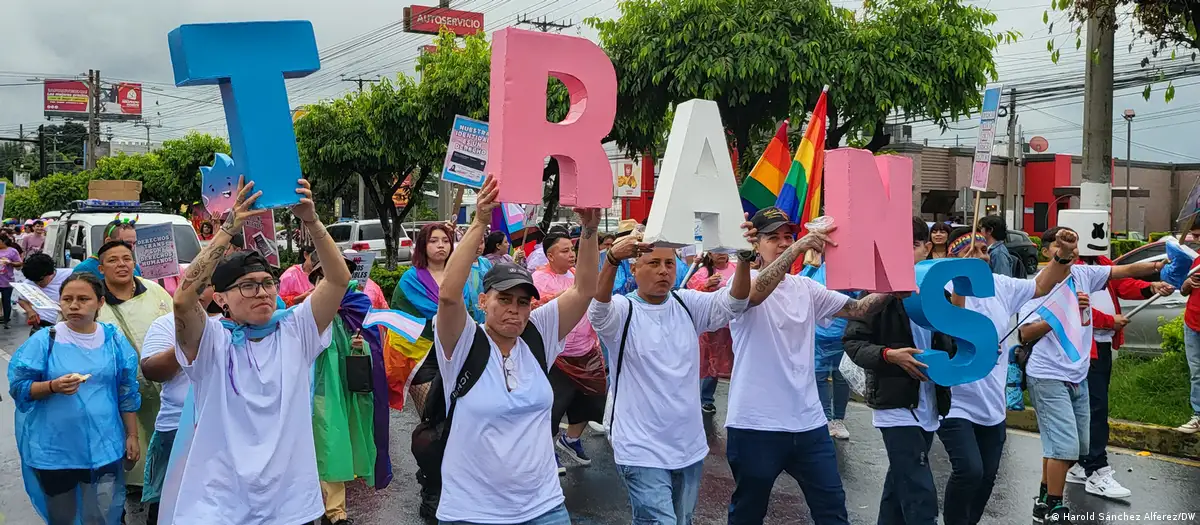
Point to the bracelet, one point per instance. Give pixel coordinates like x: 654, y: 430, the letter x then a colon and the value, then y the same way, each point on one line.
x: 51, y: 383
x: 885, y: 351
x: 229, y: 233
x: 747, y: 255
x: 1061, y: 260
x: 611, y: 260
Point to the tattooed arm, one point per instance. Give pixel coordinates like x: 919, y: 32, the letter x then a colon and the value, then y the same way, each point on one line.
x: 864, y: 307
x: 189, y: 317
x: 770, y: 277
x: 573, y: 303
x: 326, y: 298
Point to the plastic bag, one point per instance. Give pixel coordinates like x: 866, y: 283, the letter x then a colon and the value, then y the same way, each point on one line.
x: 854, y: 375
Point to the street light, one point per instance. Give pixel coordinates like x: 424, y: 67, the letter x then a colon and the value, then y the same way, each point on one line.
x: 1129, y: 114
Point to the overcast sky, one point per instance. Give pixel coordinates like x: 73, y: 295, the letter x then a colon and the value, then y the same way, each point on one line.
x: 67, y: 37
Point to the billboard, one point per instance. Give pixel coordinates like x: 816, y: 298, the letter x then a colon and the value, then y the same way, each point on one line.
x: 69, y: 99
x: 424, y: 19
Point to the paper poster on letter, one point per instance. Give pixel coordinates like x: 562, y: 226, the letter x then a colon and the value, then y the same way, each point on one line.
x: 697, y: 182
x: 870, y: 200
x: 155, y: 251
x: 1092, y: 227
x: 259, y: 235
x: 467, y: 153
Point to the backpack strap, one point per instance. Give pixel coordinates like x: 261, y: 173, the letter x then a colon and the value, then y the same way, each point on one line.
x: 533, y: 339
x: 620, y: 359
x: 683, y: 304
x: 472, y: 370
x: 50, y: 348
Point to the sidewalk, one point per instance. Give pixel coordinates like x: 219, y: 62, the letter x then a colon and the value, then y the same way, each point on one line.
x: 1129, y: 434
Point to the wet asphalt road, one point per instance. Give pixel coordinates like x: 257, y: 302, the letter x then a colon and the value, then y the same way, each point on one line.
x: 595, y: 494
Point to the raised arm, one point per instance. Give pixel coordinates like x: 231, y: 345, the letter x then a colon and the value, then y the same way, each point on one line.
x: 770, y: 277
x: 573, y: 303
x: 326, y: 298
x: 452, y: 310
x: 1136, y: 270
x: 1060, y: 263
x: 625, y: 248
x: 189, y: 317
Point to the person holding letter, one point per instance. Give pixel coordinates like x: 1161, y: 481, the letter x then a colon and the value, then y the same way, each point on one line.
x: 653, y: 337
x: 499, y: 465
x: 252, y: 456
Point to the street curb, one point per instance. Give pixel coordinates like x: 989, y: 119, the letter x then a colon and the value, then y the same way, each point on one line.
x: 1128, y: 434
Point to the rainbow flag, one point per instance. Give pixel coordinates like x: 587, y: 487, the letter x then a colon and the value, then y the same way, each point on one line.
x: 761, y: 189
x: 508, y: 218
x: 800, y: 197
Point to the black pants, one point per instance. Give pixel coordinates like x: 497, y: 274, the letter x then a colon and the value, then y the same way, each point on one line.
x: 6, y: 296
x: 571, y: 401
x: 1098, y: 378
x: 975, y: 452
x: 909, y: 495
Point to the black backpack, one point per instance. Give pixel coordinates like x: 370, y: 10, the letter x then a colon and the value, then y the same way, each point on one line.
x: 430, y: 435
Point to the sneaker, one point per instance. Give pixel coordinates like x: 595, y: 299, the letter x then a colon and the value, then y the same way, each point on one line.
x: 1077, y: 475
x: 1191, y: 427
x: 1059, y: 515
x: 573, y: 451
x: 1039, y: 510
x: 708, y: 408
x: 837, y: 429
x: 562, y: 471
x: 1102, y: 483
x: 598, y: 428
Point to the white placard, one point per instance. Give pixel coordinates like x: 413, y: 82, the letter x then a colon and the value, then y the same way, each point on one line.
x: 35, y: 296
x: 364, y: 260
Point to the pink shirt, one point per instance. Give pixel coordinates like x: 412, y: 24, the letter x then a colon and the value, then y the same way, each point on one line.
x: 701, y: 275
x: 293, y: 282
x: 373, y: 291
x: 582, y: 338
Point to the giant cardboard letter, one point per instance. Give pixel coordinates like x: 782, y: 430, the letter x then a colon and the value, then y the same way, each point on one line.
x: 1092, y: 227
x: 870, y: 200
x: 522, y: 62
x: 249, y: 61
x: 697, y: 182
x: 974, y: 334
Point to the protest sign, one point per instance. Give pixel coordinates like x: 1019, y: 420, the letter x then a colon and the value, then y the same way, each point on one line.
x: 364, y: 261
x: 987, y: 136
x: 467, y: 154
x: 35, y: 296
x: 249, y: 61
x: 259, y: 234
x: 3, y: 194
x: 870, y: 200
x: 697, y: 182
x: 974, y: 334
x: 520, y: 138
x: 155, y: 251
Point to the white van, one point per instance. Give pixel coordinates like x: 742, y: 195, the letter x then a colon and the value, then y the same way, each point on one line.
x: 77, y: 232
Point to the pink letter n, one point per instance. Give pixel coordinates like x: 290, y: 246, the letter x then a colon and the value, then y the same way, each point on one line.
x: 870, y: 200
x: 519, y: 136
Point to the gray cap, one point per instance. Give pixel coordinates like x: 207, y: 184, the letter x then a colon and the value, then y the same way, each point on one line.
x: 506, y: 276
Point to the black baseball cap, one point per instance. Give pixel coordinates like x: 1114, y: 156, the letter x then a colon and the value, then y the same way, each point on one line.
x: 235, y: 266
x: 506, y: 276
x: 770, y: 219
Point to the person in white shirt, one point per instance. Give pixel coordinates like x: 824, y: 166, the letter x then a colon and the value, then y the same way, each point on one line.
x: 652, y: 334
x: 499, y: 466
x: 1057, y: 370
x: 39, y: 270
x: 776, y: 422
x: 160, y: 365
x: 252, y: 460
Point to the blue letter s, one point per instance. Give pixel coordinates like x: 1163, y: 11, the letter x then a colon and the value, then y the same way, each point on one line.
x: 973, y: 332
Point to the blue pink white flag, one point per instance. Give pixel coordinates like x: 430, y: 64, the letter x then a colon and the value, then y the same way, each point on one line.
x: 404, y: 324
x: 1061, y: 311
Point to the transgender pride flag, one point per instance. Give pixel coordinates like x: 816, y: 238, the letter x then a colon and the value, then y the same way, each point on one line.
x: 406, y: 325
x: 1061, y: 311
x: 508, y: 218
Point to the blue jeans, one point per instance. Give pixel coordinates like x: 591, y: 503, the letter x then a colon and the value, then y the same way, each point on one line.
x: 660, y: 496
x: 974, y: 452
x: 1063, y: 416
x: 909, y: 496
x: 557, y: 516
x: 757, y: 458
x: 708, y: 390
x: 833, y: 397
x: 1191, y: 346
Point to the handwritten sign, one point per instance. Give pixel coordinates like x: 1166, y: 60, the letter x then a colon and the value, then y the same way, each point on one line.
x: 363, y: 261
x: 259, y: 232
x: 987, y: 136
x: 155, y: 251
x: 35, y: 296
x: 467, y: 154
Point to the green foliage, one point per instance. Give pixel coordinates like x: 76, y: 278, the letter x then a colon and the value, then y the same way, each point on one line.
x: 1152, y: 390
x: 22, y: 203
x: 181, y: 159
x: 1157, y: 236
x: 1122, y: 246
x: 1172, y: 334
x: 60, y: 189
x: 387, y: 279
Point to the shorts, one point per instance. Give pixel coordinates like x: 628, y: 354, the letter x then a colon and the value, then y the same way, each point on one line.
x: 158, y: 456
x: 56, y: 482
x: 427, y: 371
x: 571, y: 401
x: 1063, y: 416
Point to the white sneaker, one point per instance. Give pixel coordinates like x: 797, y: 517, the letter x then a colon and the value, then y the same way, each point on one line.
x: 1102, y: 483
x: 597, y: 427
x: 837, y: 429
x: 1191, y: 427
x: 1077, y: 475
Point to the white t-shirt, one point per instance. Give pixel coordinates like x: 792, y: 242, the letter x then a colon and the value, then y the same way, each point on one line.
x: 657, y: 423
x: 160, y: 338
x: 499, y: 464
x: 982, y: 402
x: 252, y: 460
x: 1048, y: 360
x: 773, y: 386
x: 64, y: 334
x: 926, y: 414
x: 51, y: 290
x: 1103, y: 301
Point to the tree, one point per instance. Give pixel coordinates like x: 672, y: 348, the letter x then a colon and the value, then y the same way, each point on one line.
x: 67, y: 139
x: 182, y: 159
x: 22, y: 203
x: 58, y: 190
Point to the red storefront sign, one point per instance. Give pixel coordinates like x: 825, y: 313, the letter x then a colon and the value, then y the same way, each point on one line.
x: 65, y: 98
x: 129, y: 97
x: 425, y: 19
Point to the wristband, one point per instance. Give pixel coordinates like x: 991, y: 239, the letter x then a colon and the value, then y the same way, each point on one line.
x: 615, y: 262
x: 51, y: 383
x: 1061, y: 260
x: 746, y: 255
x: 885, y: 351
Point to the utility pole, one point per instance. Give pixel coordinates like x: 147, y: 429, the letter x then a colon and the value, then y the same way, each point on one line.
x: 1019, y: 200
x: 1009, y: 179
x: 1095, y: 192
x: 542, y: 24
x: 1129, y: 114
x: 362, y: 187
x: 146, y: 124
x: 93, y: 138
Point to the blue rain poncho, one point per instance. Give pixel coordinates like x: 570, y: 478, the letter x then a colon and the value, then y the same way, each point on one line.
x: 83, y: 431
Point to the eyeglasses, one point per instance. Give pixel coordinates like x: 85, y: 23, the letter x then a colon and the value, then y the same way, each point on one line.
x: 250, y: 289
x: 509, y: 373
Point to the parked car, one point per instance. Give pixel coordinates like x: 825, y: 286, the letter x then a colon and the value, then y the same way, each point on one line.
x: 367, y: 236
x: 1141, y: 334
x: 1022, y: 247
